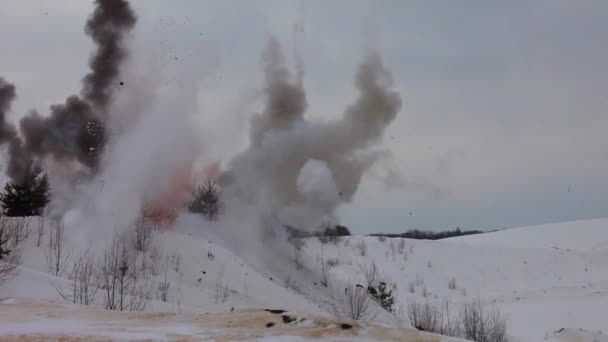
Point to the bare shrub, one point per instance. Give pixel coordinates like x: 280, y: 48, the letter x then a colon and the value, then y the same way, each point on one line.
x: 381, y: 238
x: 292, y: 285
x: 298, y: 251
x: 355, y: 304
x: 154, y: 255
x: 222, y: 291
x: 473, y: 322
x: 401, y: 246
x: 10, y: 246
x: 82, y: 288
x: 21, y: 230
x: 362, y: 247
x: 57, y: 258
x: 207, y: 201
x: 164, y: 285
x: 176, y: 260
x: 370, y: 273
x: 452, y: 283
x: 119, y: 275
x: 450, y: 326
x: 430, y: 318
x: 411, y: 287
x: 424, y: 317
x: 326, y: 265
x: 39, y: 230
x: 483, y: 325
x: 380, y: 289
x: 425, y: 292
x: 178, y: 293
x: 392, y: 248
x: 163, y: 288
x: 142, y: 235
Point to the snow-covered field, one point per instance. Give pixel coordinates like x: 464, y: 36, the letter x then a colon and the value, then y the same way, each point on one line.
x: 542, y: 279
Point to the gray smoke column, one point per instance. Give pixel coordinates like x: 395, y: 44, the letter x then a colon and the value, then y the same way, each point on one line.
x: 285, y: 97
x: 18, y: 159
x: 7, y: 95
x: 301, y: 171
x: 107, y: 27
x: 75, y: 130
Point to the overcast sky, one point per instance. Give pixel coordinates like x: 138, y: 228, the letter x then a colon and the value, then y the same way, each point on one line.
x: 504, y: 121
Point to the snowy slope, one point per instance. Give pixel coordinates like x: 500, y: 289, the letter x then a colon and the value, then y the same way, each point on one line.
x: 542, y: 278
x: 579, y: 335
x: 583, y: 235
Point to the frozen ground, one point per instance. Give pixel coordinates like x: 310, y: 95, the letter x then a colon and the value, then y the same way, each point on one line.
x: 31, y: 320
x: 542, y: 279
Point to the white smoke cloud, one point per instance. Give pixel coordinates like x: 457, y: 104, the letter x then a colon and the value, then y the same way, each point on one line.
x: 287, y: 151
x: 316, y: 182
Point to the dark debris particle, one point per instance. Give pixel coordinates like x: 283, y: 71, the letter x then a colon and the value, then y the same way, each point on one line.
x: 287, y: 319
x: 346, y: 326
x: 122, y: 83
x: 276, y: 311
x: 269, y: 324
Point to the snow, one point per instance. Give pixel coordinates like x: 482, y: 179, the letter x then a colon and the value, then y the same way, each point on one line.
x: 543, y: 279
x: 579, y: 335
x: 583, y: 235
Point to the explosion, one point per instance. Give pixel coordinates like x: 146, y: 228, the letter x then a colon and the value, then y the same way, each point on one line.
x: 164, y: 209
x: 296, y: 171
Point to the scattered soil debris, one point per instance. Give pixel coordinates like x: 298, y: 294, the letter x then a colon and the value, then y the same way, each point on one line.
x: 276, y: 311
x: 287, y: 319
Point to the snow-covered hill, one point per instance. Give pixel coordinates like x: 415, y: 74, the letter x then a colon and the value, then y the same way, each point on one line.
x: 542, y: 278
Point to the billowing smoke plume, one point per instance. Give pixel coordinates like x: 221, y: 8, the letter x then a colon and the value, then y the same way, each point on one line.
x: 301, y: 170
x: 7, y: 95
x: 18, y: 159
x: 75, y: 130
x: 107, y: 27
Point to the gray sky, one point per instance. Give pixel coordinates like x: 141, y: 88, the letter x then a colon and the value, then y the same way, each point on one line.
x: 505, y: 103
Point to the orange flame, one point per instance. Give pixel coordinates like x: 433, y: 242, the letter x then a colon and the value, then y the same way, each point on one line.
x: 165, y: 208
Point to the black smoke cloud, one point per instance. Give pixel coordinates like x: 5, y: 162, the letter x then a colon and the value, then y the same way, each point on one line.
x: 107, y: 27
x: 19, y: 160
x: 75, y: 130
x: 7, y: 95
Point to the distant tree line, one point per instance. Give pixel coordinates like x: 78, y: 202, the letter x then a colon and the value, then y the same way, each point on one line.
x: 331, y: 232
x: 418, y: 234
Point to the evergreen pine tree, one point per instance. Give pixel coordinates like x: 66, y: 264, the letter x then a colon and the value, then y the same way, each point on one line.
x: 26, y: 197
